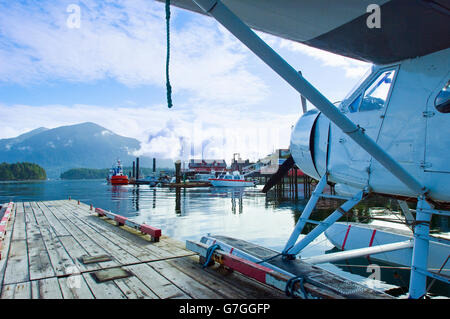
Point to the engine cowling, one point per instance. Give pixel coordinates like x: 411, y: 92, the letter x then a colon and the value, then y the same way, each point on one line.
x: 309, y: 143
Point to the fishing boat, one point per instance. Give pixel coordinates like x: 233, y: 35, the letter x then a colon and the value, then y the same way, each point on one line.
x: 116, y: 176
x: 231, y: 180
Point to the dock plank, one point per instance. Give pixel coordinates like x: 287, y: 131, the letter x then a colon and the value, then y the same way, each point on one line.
x: 40, y: 265
x: 52, y: 221
x: 75, y: 287
x: 104, y: 290
x: 192, y: 287
x: 134, y: 288
x: 46, y: 289
x: 106, y: 242
x: 82, y: 242
x: 17, y: 269
x: 160, y: 285
x: 17, y: 291
x: 5, y: 249
x: 61, y: 261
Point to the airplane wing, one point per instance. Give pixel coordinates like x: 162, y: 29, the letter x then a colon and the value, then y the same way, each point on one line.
x: 409, y: 28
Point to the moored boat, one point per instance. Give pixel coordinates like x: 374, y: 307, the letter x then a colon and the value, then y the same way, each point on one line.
x: 116, y: 175
x: 231, y: 180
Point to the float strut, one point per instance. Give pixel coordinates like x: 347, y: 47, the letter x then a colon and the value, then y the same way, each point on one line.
x: 305, y: 214
x: 419, y: 263
x: 330, y: 220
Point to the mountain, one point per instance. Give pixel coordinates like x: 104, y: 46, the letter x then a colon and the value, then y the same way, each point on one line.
x: 85, y: 145
x: 8, y: 142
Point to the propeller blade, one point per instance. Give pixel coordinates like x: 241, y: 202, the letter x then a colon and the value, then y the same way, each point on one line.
x: 279, y: 174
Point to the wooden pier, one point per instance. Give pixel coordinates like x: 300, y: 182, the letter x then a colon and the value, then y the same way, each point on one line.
x: 62, y: 249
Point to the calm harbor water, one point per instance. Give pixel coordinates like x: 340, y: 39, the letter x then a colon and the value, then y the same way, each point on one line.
x: 191, y: 213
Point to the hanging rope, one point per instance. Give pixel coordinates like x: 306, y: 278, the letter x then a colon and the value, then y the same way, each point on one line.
x: 168, y: 86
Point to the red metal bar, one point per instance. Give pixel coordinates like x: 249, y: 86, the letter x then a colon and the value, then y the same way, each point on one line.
x: 246, y: 267
x: 100, y: 211
x: 120, y: 219
x: 152, y: 231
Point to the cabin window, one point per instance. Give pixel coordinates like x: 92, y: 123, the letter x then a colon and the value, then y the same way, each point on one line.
x: 442, y: 101
x: 354, y: 106
x: 377, y: 93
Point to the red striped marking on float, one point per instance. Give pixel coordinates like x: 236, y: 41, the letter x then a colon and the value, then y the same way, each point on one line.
x: 372, y: 238
x: 346, y: 235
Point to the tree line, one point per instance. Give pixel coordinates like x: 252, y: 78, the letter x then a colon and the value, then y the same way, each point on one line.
x: 21, y: 171
x: 100, y: 173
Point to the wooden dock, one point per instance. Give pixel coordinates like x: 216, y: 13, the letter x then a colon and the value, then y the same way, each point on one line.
x: 62, y: 249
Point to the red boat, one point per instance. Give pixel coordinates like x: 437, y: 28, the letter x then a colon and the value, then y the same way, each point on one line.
x: 116, y: 176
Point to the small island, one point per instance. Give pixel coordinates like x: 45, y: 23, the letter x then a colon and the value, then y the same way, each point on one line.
x: 102, y: 173
x: 21, y: 171
x: 85, y: 173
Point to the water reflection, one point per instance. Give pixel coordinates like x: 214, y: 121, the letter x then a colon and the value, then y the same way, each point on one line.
x: 178, y: 201
x: 236, y: 195
x: 135, y: 197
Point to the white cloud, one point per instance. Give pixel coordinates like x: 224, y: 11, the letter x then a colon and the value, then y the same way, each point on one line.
x: 125, y: 41
x: 352, y: 68
x: 177, y: 133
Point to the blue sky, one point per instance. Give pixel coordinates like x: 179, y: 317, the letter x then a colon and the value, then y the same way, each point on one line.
x: 111, y: 71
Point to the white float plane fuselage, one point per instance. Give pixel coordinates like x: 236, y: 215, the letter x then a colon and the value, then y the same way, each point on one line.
x: 404, y: 107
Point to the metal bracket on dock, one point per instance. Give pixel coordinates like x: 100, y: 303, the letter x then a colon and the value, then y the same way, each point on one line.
x: 254, y: 270
x: 306, y: 280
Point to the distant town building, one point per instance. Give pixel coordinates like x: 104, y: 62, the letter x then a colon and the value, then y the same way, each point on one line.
x: 237, y: 164
x: 206, y: 166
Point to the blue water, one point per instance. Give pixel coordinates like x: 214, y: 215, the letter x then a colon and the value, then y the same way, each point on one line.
x: 191, y: 213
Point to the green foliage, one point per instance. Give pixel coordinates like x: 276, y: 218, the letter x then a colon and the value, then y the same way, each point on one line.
x: 85, y: 173
x: 21, y: 171
x: 93, y: 173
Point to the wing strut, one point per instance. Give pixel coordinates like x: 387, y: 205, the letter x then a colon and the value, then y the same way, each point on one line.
x: 240, y: 30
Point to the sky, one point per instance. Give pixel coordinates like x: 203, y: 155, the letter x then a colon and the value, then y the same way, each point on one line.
x: 108, y: 67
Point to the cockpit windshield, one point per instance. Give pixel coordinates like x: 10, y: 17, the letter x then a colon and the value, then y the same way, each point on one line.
x: 358, y: 84
x: 375, y: 95
x: 442, y: 101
